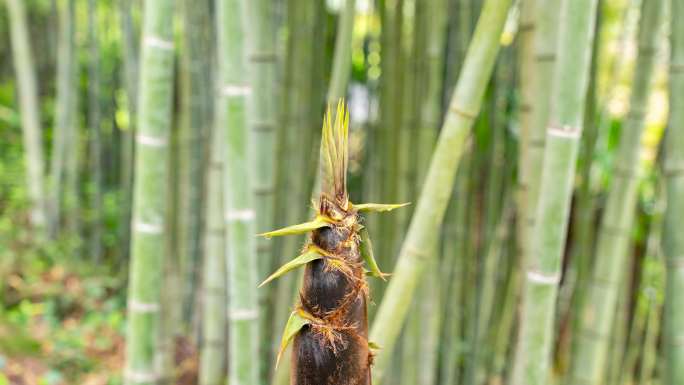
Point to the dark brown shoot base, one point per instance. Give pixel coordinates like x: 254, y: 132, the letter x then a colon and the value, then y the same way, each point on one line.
x: 334, y: 290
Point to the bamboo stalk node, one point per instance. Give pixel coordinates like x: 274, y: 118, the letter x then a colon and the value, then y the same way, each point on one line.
x: 466, y: 114
x: 158, y: 42
x: 262, y: 57
x: 542, y: 278
x: 140, y: 377
x: 241, y: 215
x: 236, y: 90
x: 151, y: 141
x: 565, y: 131
x: 545, y: 57
x: 243, y: 314
x: 148, y: 228
x: 142, y: 307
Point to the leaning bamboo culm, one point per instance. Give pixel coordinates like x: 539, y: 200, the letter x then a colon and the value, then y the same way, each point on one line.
x: 329, y: 326
x: 150, y: 189
x: 552, y: 209
x: 673, y: 242
x: 597, y: 315
x: 231, y: 117
x: 464, y: 107
x: 30, y: 110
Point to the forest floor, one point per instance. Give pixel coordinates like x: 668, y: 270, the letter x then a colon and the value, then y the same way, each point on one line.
x: 58, y: 327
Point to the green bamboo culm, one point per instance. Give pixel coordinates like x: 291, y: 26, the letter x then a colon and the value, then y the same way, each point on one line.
x: 95, y: 134
x: 463, y: 108
x: 261, y: 56
x: 63, y: 113
x: 673, y: 241
x: 564, y: 127
x: 545, y: 51
x: 231, y: 117
x: 30, y: 111
x: 597, y: 315
x: 196, y: 108
x: 148, y: 222
x: 212, y: 353
x: 527, y: 77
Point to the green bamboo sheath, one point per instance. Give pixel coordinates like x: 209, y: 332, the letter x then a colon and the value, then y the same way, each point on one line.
x: 30, y: 110
x: 232, y: 117
x: 597, y: 315
x: 673, y: 245
x: 543, y: 265
x: 212, y: 354
x: 429, y: 212
x: 150, y: 189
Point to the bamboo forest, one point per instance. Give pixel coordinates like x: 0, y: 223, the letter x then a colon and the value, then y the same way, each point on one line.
x: 341, y: 192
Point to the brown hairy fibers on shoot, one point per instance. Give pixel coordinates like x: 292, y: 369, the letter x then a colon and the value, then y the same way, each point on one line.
x: 329, y: 326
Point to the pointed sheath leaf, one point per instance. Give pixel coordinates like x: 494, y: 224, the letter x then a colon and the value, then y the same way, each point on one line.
x: 312, y: 253
x: 373, y: 346
x: 366, y: 249
x: 379, y: 207
x: 301, y: 228
x: 294, y: 324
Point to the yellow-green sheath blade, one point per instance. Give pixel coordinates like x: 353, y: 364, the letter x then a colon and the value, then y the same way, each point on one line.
x: 301, y: 228
x: 366, y: 249
x: 311, y: 254
x: 373, y: 346
x: 378, y: 207
x: 294, y: 324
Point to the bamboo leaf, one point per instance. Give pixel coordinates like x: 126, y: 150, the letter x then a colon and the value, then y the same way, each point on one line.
x: 379, y: 207
x: 312, y: 254
x: 294, y: 324
x: 301, y: 228
x: 368, y: 257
